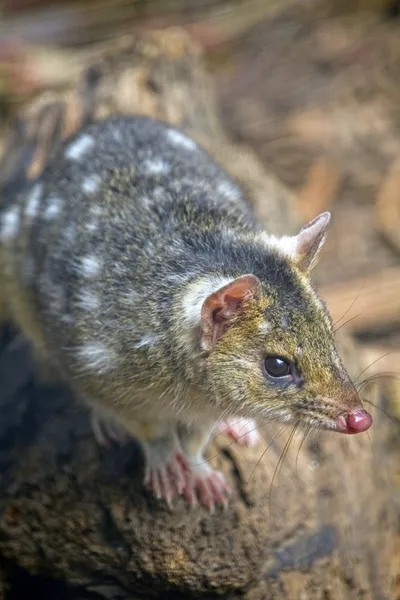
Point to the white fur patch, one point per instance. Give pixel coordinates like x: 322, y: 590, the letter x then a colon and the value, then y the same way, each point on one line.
x: 286, y: 244
x: 67, y: 319
x: 96, y: 210
x: 79, y: 147
x: 265, y: 327
x: 88, y: 300
x: 53, y: 208
x: 97, y: 357
x: 284, y: 323
x: 10, y: 223
x: 92, y: 225
x: 195, y: 296
x: 229, y: 190
x: 180, y: 139
x: 33, y: 201
x: 156, y: 167
x: 70, y: 233
x: 90, y: 184
x: 147, y: 340
x: 90, y: 267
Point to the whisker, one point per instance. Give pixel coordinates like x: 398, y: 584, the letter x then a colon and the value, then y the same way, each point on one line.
x: 301, y: 445
x: 346, y: 322
x: 265, y: 451
x: 225, y: 430
x: 229, y: 445
x: 377, y: 377
x: 373, y: 363
x: 382, y: 410
x: 351, y: 305
x: 281, y: 459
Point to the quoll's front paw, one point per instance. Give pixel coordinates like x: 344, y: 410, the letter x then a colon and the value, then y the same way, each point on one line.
x: 243, y: 431
x: 207, y: 486
x: 177, y: 476
x: 166, y: 479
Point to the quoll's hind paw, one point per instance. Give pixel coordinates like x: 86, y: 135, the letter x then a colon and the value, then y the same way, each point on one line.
x: 243, y: 431
x: 166, y: 479
x: 107, y: 432
x: 206, y: 486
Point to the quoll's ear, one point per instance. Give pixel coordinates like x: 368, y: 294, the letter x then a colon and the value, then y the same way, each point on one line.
x: 220, y: 308
x: 310, y: 241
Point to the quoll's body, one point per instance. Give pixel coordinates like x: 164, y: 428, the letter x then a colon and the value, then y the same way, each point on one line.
x: 134, y: 264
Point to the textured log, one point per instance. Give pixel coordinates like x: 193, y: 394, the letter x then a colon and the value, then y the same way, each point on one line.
x: 318, y: 528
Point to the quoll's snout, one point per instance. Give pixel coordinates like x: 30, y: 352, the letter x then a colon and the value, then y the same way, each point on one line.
x: 356, y: 421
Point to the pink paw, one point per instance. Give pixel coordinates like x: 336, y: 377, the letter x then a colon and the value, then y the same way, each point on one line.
x: 167, y: 479
x: 243, y: 431
x: 206, y: 486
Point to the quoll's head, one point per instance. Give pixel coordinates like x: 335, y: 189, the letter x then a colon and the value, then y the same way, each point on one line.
x: 269, y: 342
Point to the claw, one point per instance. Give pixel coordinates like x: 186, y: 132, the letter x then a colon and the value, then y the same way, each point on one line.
x: 107, y: 432
x: 207, y: 486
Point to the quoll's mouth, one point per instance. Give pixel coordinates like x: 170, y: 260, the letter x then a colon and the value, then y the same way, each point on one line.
x: 356, y: 421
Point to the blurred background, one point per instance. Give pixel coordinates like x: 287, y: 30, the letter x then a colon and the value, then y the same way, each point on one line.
x: 313, y: 86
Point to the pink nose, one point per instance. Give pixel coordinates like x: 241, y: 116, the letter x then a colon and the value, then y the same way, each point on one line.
x: 354, y: 422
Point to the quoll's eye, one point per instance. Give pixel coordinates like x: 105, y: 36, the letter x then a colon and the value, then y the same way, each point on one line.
x: 276, y: 367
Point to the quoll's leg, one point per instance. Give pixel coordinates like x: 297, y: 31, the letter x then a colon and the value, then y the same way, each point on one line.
x: 107, y: 431
x: 166, y: 465
x: 203, y: 483
x: 174, y: 467
x: 243, y: 431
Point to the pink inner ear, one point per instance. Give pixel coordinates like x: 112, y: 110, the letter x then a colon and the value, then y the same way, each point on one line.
x: 220, y: 308
x: 310, y: 240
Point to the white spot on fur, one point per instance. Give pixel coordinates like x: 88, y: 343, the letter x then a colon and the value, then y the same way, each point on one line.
x: 284, y: 323
x: 299, y: 351
x: 265, y: 327
x: 53, y: 208
x: 96, y: 210
x: 229, y: 190
x: 33, y: 201
x: 147, y: 340
x: 90, y: 184
x: 97, y: 357
x: 78, y: 148
x: 90, y: 267
x: 145, y: 200
x: 88, y: 300
x: 92, y: 225
x: 70, y: 233
x: 156, y: 167
x: 10, y: 223
x: 180, y: 139
x: 67, y: 319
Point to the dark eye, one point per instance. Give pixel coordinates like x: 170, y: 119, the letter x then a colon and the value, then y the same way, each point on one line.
x: 277, y: 367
